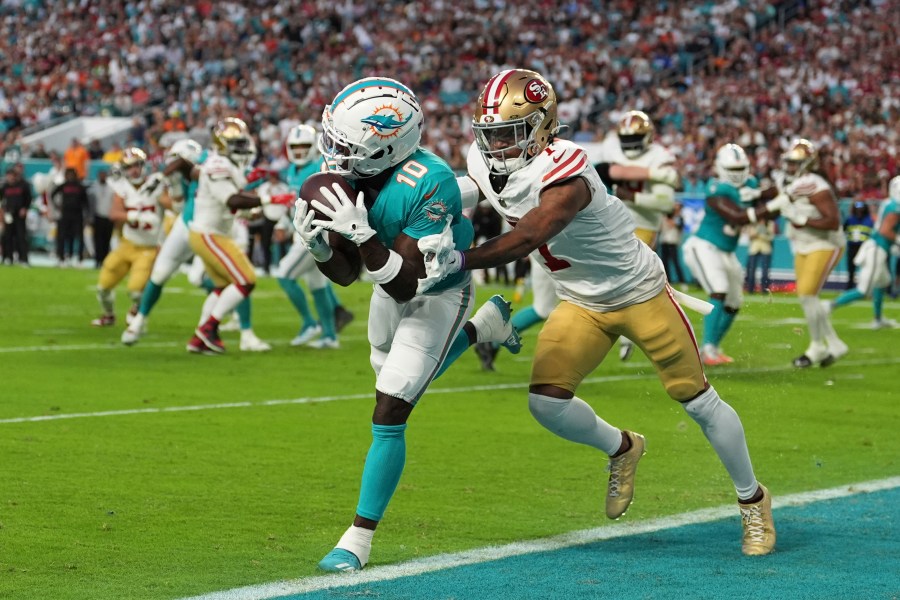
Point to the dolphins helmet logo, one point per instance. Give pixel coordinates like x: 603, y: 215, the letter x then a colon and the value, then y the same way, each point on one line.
x: 387, y: 121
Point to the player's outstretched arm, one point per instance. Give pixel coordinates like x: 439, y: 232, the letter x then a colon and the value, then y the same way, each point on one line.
x: 559, y: 205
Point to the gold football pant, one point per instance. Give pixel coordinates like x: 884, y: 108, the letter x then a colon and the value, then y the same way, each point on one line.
x: 575, y: 340
x: 127, y: 258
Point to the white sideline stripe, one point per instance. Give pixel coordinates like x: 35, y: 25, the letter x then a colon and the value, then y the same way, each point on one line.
x: 455, y: 390
x: 566, y: 540
x: 119, y: 346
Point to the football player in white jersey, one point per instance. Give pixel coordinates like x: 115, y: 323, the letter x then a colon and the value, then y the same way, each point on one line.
x: 648, y: 199
x: 221, y: 182
x: 138, y: 204
x: 610, y: 284
x: 175, y: 249
x: 808, y: 202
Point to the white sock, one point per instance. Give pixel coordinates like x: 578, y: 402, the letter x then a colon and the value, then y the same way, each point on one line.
x: 723, y: 428
x: 137, y: 322
x: 107, y: 299
x: 357, y: 540
x: 230, y: 297
x: 208, y: 305
x: 575, y: 421
x: 815, y: 317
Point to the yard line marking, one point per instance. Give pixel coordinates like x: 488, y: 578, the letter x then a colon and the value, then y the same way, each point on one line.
x: 362, y: 396
x: 491, y: 553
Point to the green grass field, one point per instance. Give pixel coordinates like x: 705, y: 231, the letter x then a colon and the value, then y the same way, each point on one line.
x: 160, y: 474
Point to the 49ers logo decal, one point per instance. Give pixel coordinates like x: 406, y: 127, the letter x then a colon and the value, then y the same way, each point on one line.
x: 535, y: 91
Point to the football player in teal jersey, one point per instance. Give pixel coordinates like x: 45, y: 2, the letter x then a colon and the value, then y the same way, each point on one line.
x: 371, y: 134
x: 710, y: 252
x: 305, y: 160
x: 874, y: 274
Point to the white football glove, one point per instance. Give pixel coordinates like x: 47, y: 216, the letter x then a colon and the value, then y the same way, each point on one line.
x: 778, y: 203
x: 348, y: 219
x: 665, y: 175
x: 749, y: 194
x: 131, y: 217
x: 442, y: 259
x: 147, y: 219
x: 313, y: 236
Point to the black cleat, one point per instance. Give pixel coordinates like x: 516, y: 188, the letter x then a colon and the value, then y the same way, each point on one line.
x: 486, y: 352
x: 342, y: 318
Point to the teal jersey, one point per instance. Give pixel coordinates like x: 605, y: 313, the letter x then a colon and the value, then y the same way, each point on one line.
x: 713, y: 228
x: 417, y: 199
x: 189, y: 189
x: 888, y: 207
x: 295, y: 176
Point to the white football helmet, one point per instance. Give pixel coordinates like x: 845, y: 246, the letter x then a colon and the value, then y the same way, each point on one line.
x: 732, y: 165
x: 187, y: 149
x: 372, y: 125
x: 894, y: 188
x: 302, y: 145
x: 515, y: 119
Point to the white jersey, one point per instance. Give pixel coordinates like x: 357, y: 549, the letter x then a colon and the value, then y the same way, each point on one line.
x: 596, y: 261
x: 610, y: 151
x: 807, y: 239
x: 219, y: 180
x: 143, y: 225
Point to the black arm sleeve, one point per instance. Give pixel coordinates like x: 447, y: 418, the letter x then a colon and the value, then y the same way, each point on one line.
x: 603, y: 172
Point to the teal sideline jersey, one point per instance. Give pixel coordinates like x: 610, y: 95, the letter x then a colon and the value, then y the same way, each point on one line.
x: 294, y: 175
x: 417, y: 199
x: 713, y: 228
x: 890, y: 206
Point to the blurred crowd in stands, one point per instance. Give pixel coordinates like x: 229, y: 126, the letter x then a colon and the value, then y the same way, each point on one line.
x: 755, y: 72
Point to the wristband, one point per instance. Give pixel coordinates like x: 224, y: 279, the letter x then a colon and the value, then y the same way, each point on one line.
x: 751, y: 214
x: 390, y: 269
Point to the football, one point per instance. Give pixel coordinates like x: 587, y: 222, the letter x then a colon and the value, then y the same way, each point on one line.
x: 310, y: 190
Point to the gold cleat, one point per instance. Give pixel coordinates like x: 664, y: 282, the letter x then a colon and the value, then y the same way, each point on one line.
x: 759, y: 528
x: 622, y: 469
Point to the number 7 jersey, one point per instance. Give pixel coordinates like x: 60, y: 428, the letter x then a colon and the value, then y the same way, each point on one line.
x: 596, y: 261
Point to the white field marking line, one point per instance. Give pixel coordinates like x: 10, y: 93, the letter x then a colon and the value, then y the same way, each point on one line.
x: 566, y: 540
x: 455, y: 390
x: 119, y: 346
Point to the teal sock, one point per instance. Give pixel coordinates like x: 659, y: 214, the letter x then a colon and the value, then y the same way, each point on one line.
x: 878, y: 303
x: 525, y: 318
x: 334, y: 298
x: 298, y: 298
x: 325, y: 309
x: 243, y: 311
x: 724, y: 324
x: 711, y: 322
x: 384, y: 464
x: 848, y: 297
x: 457, y: 348
x: 151, y: 295
x: 207, y: 284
